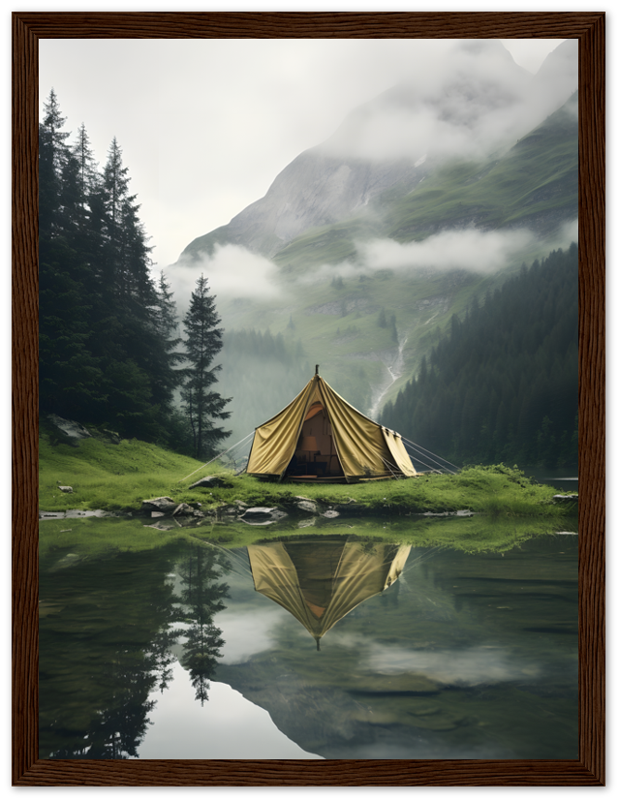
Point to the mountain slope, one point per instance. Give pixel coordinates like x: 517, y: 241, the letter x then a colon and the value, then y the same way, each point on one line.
x: 370, y: 258
x: 479, y: 104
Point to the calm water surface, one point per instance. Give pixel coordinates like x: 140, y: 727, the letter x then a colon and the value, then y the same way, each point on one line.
x: 289, y: 649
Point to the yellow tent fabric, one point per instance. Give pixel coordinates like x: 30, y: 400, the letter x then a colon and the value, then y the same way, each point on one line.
x: 349, y: 443
x: 321, y: 580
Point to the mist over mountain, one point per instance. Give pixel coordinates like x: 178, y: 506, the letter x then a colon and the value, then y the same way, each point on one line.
x: 364, y: 247
x: 476, y: 106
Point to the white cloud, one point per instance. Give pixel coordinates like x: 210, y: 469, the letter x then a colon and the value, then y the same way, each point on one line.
x: 468, y: 103
x: 232, y: 272
x: 469, y: 249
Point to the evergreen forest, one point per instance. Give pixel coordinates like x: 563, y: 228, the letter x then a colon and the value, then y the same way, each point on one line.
x: 110, y: 349
x: 501, y: 385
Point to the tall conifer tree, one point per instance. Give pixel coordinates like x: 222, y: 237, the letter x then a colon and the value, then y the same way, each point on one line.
x: 203, y: 341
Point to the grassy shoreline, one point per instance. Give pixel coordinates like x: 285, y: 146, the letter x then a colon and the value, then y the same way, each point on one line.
x: 118, y: 477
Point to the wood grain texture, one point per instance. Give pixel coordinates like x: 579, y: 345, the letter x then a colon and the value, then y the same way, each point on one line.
x: 588, y: 770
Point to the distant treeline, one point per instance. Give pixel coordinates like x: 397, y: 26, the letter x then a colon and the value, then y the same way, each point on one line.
x: 502, y: 384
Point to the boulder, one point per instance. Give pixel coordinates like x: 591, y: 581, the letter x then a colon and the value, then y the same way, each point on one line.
x: 66, y: 489
x: 69, y: 427
x: 182, y: 510
x: 165, y: 504
x: 308, y: 506
x: 210, y: 482
x: 262, y: 515
x: 160, y: 526
x: 330, y: 513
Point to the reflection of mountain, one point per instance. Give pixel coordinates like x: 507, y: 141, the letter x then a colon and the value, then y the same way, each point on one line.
x: 320, y: 580
x: 474, y: 657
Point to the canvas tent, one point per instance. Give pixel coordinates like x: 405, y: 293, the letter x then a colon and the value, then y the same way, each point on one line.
x: 319, y: 580
x: 320, y: 435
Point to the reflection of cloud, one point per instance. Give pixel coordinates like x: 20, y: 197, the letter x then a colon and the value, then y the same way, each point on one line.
x: 248, y: 632
x: 471, y: 667
x: 428, y: 745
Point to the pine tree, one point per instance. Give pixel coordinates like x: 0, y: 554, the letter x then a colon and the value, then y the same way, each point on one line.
x: 166, y: 325
x: 53, y: 153
x: 203, y: 341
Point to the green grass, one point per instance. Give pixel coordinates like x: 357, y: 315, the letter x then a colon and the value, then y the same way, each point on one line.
x: 107, y: 476
x: 113, y: 477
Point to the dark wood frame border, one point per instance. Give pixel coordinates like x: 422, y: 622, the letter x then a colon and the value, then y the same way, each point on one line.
x: 588, y: 770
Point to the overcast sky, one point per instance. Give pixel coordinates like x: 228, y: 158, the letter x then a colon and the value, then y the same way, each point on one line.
x: 206, y: 125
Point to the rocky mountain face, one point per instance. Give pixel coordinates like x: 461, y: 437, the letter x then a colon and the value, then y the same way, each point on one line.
x: 478, y: 105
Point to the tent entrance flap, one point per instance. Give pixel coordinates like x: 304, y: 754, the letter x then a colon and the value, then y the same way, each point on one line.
x: 321, y: 436
x: 315, y: 454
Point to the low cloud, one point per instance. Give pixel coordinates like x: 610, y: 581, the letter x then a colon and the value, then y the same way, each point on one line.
x: 469, y: 249
x: 476, y: 99
x: 232, y: 272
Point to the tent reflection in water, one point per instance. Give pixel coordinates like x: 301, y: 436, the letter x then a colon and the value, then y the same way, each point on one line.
x: 320, y: 580
x: 319, y: 436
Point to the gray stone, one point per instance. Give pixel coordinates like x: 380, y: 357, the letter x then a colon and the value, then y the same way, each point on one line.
x: 155, y: 514
x: 210, y: 482
x: 160, y: 526
x: 165, y: 504
x: 307, y: 505
x: 263, y: 514
x: 182, y: 510
x: 330, y: 513
x: 69, y: 427
x: 66, y: 489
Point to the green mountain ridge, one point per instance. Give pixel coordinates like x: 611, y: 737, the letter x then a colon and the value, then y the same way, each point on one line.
x: 331, y: 288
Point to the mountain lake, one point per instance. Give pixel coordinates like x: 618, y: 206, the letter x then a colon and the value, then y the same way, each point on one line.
x: 311, y: 643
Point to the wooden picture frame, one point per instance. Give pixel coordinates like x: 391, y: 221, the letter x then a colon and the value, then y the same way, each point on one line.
x: 588, y: 769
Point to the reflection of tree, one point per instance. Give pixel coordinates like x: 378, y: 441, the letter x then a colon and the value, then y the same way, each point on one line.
x: 105, y: 631
x: 202, y: 597
x: 162, y: 656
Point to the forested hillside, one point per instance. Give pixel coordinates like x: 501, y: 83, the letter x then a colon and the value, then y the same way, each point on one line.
x: 502, y: 384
